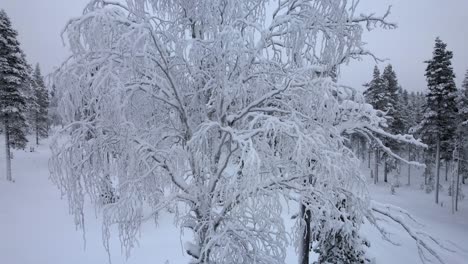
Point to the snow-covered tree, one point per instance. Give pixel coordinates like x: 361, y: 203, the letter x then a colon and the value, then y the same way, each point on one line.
x: 391, y: 100
x: 374, y: 93
x: 405, y: 107
x: 382, y: 94
x: 374, y: 96
x: 54, y: 116
x: 41, y: 106
x: 439, y: 123
x: 13, y: 73
x: 462, y: 129
x: 393, y: 113
x: 407, y: 110
x: 217, y: 109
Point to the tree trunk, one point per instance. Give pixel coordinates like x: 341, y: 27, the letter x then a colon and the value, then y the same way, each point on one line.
x: 304, y: 249
x: 7, y: 151
x: 37, y: 130
x: 363, y: 153
x: 376, y: 173
x: 446, y: 170
x: 458, y: 182
x: 305, y: 243
x: 385, y: 169
x: 369, y: 158
x: 437, y: 171
x: 358, y: 154
x: 409, y: 166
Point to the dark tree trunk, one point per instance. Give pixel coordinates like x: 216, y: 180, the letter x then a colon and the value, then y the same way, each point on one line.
x: 409, y: 166
x: 446, y: 170
x: 376, y: 171
x: 305, y: 243
x: 7, y: 151
x: 437, y: 171
x: 457, y: 183
x: 385, y: 169
x: 369, y: 158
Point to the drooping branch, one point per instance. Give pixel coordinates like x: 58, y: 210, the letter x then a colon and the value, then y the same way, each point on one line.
x: 425, y: 249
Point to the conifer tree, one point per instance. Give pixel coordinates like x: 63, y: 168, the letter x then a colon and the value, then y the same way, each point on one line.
x: 406, y: 107
x: 373, y: 96
x: 54, y: 116
x: 463, y: 128
x: 373, y: 93
x: 438, y: 124
x: 390, y: 100
x: 12, y: 76
x: 40, y: 111
x: 382, y: 94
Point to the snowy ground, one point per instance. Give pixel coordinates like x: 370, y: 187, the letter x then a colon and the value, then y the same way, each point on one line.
x: 35, y: 227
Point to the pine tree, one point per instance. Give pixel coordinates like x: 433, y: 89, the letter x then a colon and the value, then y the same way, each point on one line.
x: 373, y: 93
x: 12, y: 76
x: 390, y: 96
x: 346, y: 246
x: 463, y: 128
x: 373, y: 96
x: 406, y: 106
x: 438, y: 124
x: 390, y: 100
x: 40, y: 111
x: 405, y: 109
x: 382, y: 94
x: 54, y: 116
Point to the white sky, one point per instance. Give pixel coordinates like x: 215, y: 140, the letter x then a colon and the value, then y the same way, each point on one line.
x: 39, y: 23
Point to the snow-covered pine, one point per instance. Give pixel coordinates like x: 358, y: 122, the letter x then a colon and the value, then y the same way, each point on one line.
x: 217, y: 109
x: 463, y: 127
x: 405, y: 109
x: 53, y: 115
x: 461, y: 140
x: 40, y: 120
x: 374, y: 93
x: 390, y: 98
x: 13, y: 74
x: 437, y: 128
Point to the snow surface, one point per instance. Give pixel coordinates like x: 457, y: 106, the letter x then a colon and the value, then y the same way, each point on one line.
x: 35, y: 227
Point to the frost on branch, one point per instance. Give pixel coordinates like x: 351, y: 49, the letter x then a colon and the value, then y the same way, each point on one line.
x: 430, y: 247
x: 216, y: 110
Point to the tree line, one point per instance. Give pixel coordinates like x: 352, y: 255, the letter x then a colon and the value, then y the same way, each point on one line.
x: 24, y: 98
x: 438, y: 117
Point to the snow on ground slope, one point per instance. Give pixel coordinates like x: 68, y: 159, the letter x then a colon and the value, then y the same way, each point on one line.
x: 35, y: 227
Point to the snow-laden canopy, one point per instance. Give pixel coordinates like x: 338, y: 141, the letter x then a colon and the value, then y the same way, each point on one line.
x: 215, y: 110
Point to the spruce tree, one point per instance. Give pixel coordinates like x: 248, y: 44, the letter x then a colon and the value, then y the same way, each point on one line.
x: 54, y: 116
x: 405, y: 107
x: 373, y: 93
x: 40, y: 111
x: 439, y: 120
x: 390, y: 100
x: 382, y: 94
x: 463, y: 128
x: 12, y: 76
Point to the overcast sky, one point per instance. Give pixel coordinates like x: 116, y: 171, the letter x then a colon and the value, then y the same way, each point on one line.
x: 39, y: 24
